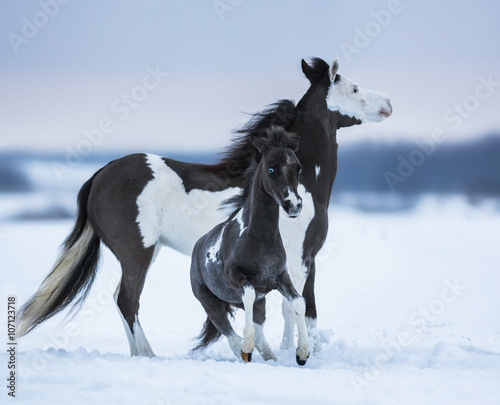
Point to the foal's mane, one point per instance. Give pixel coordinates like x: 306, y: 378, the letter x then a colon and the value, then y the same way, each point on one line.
x: 273, y: 136
x: 241, y: 153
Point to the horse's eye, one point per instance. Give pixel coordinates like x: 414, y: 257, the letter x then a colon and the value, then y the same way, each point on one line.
x: 271, y: 170
x: 300, y: 170
x: 355, y: 89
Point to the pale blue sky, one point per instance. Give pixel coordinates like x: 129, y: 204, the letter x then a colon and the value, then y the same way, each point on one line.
x: 83, y: 59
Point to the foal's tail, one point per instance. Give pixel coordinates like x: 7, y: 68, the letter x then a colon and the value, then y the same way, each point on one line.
x: 72, y: 275
x: 210, y: 334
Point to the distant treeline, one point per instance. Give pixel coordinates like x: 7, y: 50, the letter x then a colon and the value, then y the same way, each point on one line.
x: 471, y: 167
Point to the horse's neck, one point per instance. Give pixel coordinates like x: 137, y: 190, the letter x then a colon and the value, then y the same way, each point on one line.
x: 263, y: 217
x: 318, y: 156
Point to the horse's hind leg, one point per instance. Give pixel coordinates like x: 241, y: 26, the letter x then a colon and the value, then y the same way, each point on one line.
x: 113, y: 211
x: 259, y: 317
x: 127, y: 295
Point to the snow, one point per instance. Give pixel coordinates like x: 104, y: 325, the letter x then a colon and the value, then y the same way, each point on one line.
x: 408, y: 314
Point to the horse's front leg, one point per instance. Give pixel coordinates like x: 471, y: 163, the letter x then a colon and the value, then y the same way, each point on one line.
x: 298, y: 305
x: 311, y: 314
x: 238, y: 280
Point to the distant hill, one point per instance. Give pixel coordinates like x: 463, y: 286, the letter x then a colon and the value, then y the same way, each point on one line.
x: 472, y: 168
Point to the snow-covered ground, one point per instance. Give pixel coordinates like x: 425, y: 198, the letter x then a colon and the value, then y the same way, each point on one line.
x: 408, y: 309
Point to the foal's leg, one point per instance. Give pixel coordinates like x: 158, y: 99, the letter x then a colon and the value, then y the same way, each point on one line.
x: 216, y: 310
x: 237, y: 280
x: 248, y: 299
x: 288, y: 312
x: 259, y: 317
x: 298, y: 306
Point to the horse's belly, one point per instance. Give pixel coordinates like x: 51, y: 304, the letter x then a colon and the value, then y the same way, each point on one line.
x: 293, y: 233
x: 169, y: 215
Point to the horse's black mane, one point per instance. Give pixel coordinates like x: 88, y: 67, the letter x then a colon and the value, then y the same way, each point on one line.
x: 242, y: 152
x: 319, y: 65
x: 271, y: 136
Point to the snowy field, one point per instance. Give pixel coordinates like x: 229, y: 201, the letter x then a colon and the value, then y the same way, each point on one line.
x: 408, y: 307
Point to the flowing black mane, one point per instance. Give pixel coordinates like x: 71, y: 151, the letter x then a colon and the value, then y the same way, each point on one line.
x: 241, y: 153
x: 319, y: 65
x: 274, y: 136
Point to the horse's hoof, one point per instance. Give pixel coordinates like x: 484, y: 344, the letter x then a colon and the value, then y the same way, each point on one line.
x: 247, y: 357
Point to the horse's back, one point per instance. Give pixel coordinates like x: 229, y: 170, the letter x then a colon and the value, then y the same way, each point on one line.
x: 149, y: 196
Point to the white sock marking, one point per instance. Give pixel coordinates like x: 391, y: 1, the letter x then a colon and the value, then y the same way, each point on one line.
x: 248, y: 299
x: 299, y: 308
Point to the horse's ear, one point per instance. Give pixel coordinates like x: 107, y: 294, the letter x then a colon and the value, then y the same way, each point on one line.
x: 332, y: 71
x: 308, y: 71
x: 259, y: 144
x: 295, y: 141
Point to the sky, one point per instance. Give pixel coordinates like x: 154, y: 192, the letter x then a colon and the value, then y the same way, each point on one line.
x: 180, y: 76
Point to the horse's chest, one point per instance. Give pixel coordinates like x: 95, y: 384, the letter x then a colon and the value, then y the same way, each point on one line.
x: 293, y: 233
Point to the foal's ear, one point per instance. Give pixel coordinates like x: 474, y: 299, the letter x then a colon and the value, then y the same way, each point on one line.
x: 309, y: 71
x: 295, y: 141
x: 259, y: 144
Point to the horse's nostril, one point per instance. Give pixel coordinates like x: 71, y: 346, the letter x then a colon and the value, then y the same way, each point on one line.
x: 299, y: 205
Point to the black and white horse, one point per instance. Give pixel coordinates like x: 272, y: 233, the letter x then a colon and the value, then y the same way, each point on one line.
x: 242, y: 259
x: 141, y: 202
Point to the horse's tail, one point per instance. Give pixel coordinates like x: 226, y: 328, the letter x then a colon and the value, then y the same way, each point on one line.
x: 72, y: 275
x: 210, y: 334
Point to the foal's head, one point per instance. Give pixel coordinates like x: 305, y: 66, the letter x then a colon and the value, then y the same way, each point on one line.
x: 280, y: 168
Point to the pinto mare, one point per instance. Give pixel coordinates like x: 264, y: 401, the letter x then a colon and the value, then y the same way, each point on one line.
x: 140, y: 202
x: 242, y: 259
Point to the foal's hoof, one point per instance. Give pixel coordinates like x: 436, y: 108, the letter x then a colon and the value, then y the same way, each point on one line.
x: 247, y: 357
x: 300, y: 362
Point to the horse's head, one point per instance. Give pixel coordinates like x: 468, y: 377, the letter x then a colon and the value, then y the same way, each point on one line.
x: 345, y: 96
x: 279, y: 168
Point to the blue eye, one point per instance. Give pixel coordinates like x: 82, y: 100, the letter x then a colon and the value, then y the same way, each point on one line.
x: 271, y: 170
x: 300, y: 170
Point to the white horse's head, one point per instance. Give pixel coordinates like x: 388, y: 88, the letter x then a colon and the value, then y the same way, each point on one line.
x: 349, y: 99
